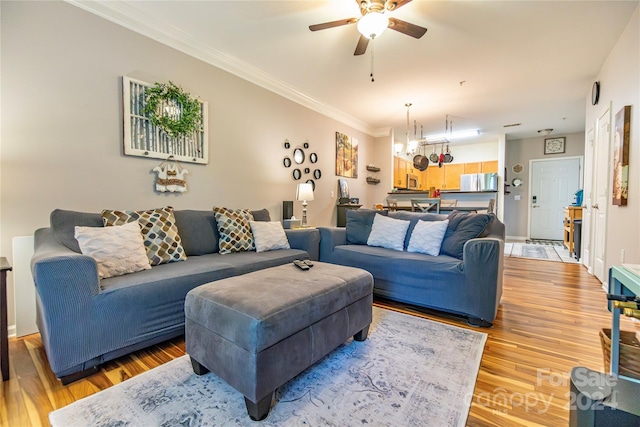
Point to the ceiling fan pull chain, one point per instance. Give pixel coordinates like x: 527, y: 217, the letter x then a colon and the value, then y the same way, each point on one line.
x: 373, y: 43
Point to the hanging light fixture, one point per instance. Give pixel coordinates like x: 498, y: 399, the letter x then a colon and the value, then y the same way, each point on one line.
x: 372, y: 24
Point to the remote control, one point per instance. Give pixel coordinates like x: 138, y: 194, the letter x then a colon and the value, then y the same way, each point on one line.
x: 300, y: 264
x: 308, y: 263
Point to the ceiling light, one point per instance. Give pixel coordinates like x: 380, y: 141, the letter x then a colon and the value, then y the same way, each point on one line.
x: 453, y: 135
x: 545, y: 132
x: 372, y: 24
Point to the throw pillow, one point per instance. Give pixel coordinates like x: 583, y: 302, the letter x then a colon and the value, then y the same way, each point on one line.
x: 234, y: 229
x: 388, y: 232
x: 414, y: 217
x: 462, y: 227
x: 159, y: 230
x: 427, y: 237
x: 358, y: 227
x: 268, y: 236
x: 117, y: 250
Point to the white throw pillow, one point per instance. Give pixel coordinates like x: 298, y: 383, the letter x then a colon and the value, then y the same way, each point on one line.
x: 427, y: 236
x: 268, y: 235
x: 388, y: 232
x: 117, y: 250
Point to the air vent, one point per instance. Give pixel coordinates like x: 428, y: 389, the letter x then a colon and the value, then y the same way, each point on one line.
x: 512, y: 125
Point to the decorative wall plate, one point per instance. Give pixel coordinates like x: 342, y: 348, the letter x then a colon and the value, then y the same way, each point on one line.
x: 517, y: 168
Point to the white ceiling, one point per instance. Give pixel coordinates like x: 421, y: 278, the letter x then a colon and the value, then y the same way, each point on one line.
x: 529, y: 62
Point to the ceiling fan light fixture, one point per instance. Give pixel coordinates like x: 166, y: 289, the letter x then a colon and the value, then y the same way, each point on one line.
x: 545, y: 132
x: 373, y: 24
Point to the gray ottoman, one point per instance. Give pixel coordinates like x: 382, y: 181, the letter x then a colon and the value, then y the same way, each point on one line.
x: 259, y: 330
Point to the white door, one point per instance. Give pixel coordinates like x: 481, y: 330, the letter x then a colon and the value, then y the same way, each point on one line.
x: 553, y: 186
x: 601, y: 193
x: 587, y: 219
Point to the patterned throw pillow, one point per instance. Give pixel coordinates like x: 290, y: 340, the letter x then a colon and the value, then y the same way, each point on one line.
x: 269, y: 235
x: 234, y: 229
x: 117, y: 250
x: 161, y: 238
x: 388, y: 232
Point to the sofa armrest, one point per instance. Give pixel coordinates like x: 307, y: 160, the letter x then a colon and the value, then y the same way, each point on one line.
x: 483, y: 263
x: 330, y: 237
x: 306, y: 239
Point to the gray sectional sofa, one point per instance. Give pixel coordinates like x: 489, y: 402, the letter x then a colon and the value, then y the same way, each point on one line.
x: 85, y: 321
x: 467, y: 281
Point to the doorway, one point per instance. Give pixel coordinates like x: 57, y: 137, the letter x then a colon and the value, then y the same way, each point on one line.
x: 554, y: 183
x: 601, y: 196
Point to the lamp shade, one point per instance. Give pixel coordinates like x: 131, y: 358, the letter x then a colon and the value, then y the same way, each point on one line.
x: 304, y: 192
x: 372, y: 24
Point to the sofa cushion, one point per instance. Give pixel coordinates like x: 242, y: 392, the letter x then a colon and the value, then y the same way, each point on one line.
x: 161, y: 238
x: 359, y: 222
x: 388, y: 232
x: 64, y: 222
x: 261, y: 215
x: 234, y: 229
x: 462, y: 227
x: 414, y: 217
x: 198, y: 231
x: 117, y: 250
x: 268, y: 236
x: 427, y: 237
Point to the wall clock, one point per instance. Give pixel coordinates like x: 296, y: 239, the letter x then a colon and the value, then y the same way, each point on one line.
x: 554, y: 145
x: 595, y: 93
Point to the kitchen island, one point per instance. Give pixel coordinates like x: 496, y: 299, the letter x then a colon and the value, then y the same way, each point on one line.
x: 470, y: 201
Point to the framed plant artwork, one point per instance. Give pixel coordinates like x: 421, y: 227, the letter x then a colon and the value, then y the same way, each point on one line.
x: 346, y: 156
x: 621, y: 156
x: 554, y: 145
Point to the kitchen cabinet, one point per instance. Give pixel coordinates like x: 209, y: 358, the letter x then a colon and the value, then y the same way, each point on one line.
x: 452, y: 174
x: 435, y: 177
x: 490, y: 166
x: 399, y: 172
x: 475, y: 167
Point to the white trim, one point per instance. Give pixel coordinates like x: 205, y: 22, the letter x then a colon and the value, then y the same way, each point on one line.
x: 129, y: 16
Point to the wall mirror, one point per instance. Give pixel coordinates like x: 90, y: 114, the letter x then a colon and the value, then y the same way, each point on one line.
x: 298, y: 155
x: 297, y: 174
x: 286, y: 144
x: 313, y: 184
x: 317, y: 174
x: 313, y: 157
x: 307, y: 170
x: 286, y: 162
x: 516, y: 182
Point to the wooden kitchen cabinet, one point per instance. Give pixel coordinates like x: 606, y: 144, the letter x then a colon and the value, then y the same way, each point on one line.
x: 452, y: 174
x: 399, y: 172
x: 490, y: 167
x: 474, y: 167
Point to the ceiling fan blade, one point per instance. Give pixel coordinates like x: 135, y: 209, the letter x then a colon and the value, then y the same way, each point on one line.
x: 332, y: 24
x: 407, y: 28
x: 395, y: 4
x: 361, y: 47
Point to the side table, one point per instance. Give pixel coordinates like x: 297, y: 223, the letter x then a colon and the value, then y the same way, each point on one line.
x: 4, y: 333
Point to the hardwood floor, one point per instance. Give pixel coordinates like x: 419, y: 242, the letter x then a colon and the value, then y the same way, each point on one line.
x: 548, y: 322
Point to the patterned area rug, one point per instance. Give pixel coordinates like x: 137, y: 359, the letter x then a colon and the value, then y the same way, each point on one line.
x: 410, y: 371
x: 548, y: 252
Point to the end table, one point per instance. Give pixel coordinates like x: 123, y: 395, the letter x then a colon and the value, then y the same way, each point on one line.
x: 4, y: 338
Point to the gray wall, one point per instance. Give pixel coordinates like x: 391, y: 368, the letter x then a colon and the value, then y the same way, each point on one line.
x: 516, y: 213
x: 61, y: 136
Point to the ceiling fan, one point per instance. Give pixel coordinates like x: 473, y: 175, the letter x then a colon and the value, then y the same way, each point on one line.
x: 373, y: 22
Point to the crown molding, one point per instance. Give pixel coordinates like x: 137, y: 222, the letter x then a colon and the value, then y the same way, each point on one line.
x: 128, y: 16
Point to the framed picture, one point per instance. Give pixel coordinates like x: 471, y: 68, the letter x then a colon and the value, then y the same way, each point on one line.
x: 346, y: 156
x: 554, y: 145
x: 344, y: 188
x: 621, y: 156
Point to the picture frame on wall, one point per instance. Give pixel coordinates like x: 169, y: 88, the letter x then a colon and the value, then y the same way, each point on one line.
x: 346, y: 156
x: 554, y: 145
x: 621, y: 134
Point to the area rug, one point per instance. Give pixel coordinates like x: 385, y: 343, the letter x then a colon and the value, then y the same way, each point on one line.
x: 548, y: 252
x: 410, y: 371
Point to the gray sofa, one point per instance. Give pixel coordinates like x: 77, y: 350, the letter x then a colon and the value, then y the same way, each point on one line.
x: 466, y: 282
x: 85, y: 321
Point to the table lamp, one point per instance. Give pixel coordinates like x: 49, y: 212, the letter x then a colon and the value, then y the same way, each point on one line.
x: 304, y: 193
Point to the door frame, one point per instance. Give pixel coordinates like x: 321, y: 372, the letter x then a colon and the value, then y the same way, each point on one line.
x: 529, y: 191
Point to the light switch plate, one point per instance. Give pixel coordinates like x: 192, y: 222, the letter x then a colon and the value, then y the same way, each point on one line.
x: 516, y: 197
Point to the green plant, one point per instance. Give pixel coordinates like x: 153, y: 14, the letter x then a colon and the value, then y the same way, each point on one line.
x: 172, y: 109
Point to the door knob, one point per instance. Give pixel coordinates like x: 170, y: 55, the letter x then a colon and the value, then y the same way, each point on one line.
x: 595, y: 206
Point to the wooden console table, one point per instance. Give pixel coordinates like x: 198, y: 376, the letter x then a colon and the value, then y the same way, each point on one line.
x: 4, y: 333
x: 571, y: 213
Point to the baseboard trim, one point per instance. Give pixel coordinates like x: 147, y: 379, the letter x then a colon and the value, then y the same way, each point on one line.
x: 11, y: 331
x: 516, y: 238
